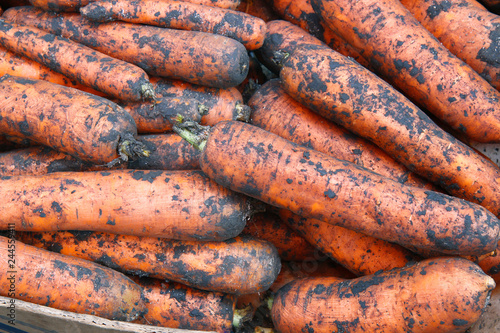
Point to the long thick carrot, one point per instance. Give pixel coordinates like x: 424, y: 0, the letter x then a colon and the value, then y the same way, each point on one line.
x: 312, y: 184
x: 348, y: 94
x: 467, y: 29
x: 94, y: 69
x: 239, y: 265
x: 83, y: 125
x: 246, y: 29
x: 196, y: 57
x: 67, y: 283
x: 435, y: 295
x: 414, y: 61
x: 172, y: 204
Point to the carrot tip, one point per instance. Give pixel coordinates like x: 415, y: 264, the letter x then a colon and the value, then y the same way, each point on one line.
x: 243, y: 112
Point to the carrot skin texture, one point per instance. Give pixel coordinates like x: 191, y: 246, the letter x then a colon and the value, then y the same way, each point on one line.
x: 239, y: 265
x: 344, y: 92
x: 174, y: 204
x: 467, y: 29
x: 177, y: 54
x: 246, y: 29
x: 413, y: 60
x: 422, y: 297
x: 385, y: 208
x: 91, y: 68
x: 69, y: 283
x: 83, y: 125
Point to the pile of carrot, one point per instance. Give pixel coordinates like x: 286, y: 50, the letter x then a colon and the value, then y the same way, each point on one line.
x: 250, y: 166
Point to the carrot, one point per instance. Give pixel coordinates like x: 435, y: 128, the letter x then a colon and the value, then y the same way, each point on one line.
x: 419, y: 298
x: 239, y: 265
x: 171, y: 304
x: 258, y: 8
x: 275, y: 111
x: 492, y: 5
x: 348, y: 94
x: 63, y: 282
x: 196, y: 57
x: 414, y: 61
x: 279, y: 172
x: 83, y: 125
x: 172, y: 204
x: 246, y: 29
x: 111, y: 76
x: 290, y: 245
x: 491, y: 266
x: 467, y: 29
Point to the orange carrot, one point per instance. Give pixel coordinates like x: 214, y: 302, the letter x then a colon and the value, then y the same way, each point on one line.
x: 262, y: 165
x: 67, y: 283
x: 69, y: 120
x: 348, y: 94
x: 492, y: 5
x: 172, y: 204
x: 196, y: 57
x: 414, y: 61
x: 435, y: 295
x: 467, y: 29
x: 246, y: 29
x: 258, y: 8
x: 239, y: 265
x: 111, y: 76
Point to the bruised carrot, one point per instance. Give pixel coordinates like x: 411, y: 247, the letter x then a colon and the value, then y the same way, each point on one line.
x: 111, y: 76
x: 290, y: 245
x: 467, y: 29
x: 348, y: 94
x: 67, y: 283
x: 239, y: 265
x: 413, y: 60
x: 193, y: 56
x: 315, y: 185
x: 435, y: 295
x: 246, y: 29
x: 83, y: 125
x: 174, y: 204
x: 275, y: 111
x: 174, y: 305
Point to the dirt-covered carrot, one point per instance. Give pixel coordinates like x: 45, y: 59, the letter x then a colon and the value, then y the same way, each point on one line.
x: 193, y: 56
x: 435, y: 295
x: 348, y: 94
x: 174, y: 305
x: 173, y: 204
x: 83, y: 125
x: 89, y: 67
x: 51, y: 279
x: 246, y: 29
x: 262, y: 165
x: 467, y: 29
x: 275, y: 111
x: 239, y: 265
x: 413, y: 60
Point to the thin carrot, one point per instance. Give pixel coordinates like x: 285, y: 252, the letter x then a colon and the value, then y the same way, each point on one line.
x: 83, y: 125
x: 172, y: 204
x: 262, y: 165
x: 67, y: 283
x: 413, y: 60
x: 434, y: 295
x: 246, y: 29
x: 196, y: 57
x: 239, y: 265
x: 94, y: 69
x: 353, y: 97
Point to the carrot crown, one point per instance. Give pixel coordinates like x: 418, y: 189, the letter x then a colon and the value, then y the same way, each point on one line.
x: 192, y: 132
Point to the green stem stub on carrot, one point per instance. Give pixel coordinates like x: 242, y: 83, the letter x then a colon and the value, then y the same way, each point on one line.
x: 192, y: 132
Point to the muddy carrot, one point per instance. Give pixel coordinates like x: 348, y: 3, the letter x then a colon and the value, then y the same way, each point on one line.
x: 80, y: 124
x: 67, y: 283
x: 246, y: 29
x: 279, y: 172
x: 348, y: 94
x: 91, y: 68
x: 172, y: 204
x: 193, y: 56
